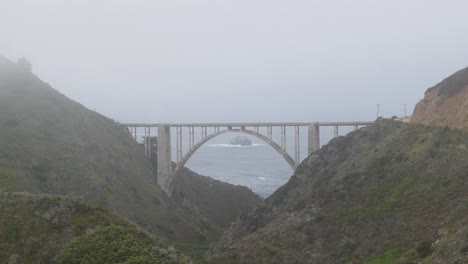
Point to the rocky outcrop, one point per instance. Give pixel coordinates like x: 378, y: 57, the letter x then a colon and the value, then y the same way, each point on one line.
x: 241, y: 141
x: 392, y: 192
x: 446, y: 104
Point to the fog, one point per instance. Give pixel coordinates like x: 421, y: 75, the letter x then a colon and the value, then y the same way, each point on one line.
x: 238, y: 60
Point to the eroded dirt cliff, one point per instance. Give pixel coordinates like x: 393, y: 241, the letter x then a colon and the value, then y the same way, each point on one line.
x: 445, y: 104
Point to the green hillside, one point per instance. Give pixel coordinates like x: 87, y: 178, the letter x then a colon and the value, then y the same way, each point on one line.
x: 388, y: 193
x: 51, y: 144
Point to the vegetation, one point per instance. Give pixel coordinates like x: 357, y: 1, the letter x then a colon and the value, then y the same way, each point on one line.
x: 388, y: 257
x: 55, y: 229
x: 114, y: 244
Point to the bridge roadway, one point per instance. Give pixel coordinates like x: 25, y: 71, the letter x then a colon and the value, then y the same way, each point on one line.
x: 164, y: 158
x: 258, y: 124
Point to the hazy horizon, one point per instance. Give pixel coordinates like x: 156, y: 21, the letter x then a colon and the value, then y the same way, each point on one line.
x: 231, y: 61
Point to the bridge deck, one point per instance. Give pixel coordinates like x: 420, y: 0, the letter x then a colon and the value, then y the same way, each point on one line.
x: 260, y: 124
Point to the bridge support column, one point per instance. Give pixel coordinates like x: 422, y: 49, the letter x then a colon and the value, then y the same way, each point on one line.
x: 313, y: 138
x: 191, y: 137
x: 135, y: 133
x: 164, y: 158
x: 179, y: 144
x: 283, y: 138
x: 204, y: 132
x: 297, y: 151
x: 147, y: 142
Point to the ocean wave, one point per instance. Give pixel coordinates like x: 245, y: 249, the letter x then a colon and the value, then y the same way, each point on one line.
x: 234, y: 146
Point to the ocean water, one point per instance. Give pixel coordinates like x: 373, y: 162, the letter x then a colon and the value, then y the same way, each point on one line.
x: 258, y: 167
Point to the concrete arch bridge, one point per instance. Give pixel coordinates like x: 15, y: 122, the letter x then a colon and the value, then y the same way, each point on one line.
x: 207, y: 131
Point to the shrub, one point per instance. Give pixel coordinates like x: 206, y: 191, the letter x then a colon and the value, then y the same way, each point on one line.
x: 114, y: 244
x: 424, y: 249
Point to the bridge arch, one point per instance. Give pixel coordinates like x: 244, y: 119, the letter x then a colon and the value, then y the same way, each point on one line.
x: 265, y: 139
x: 166, y: 170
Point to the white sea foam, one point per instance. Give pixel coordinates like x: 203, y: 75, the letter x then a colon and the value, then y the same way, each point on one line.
x: 234, y: 146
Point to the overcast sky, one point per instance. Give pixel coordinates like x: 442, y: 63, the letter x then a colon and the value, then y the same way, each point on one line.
x: 238, y: 60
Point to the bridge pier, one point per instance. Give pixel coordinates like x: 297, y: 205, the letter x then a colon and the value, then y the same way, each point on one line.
x: 313, y: 138
x: 164, y: 158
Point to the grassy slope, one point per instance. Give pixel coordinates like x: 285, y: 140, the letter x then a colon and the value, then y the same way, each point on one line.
x: 389, y: 192
x: 50, y: 144
x: 54, y: 229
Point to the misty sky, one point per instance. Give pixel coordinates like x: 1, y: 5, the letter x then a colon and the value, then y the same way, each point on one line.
x: 238, y: 60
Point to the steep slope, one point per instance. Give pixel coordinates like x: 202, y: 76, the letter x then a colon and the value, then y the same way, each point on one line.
x: 210, y: 204
x: 445, y: 104
x: 50, y: 144
x: 53, y: 229
x: 204, y: 197
x: 388, y: 193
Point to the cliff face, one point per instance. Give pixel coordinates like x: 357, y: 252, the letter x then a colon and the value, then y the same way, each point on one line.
x: 445, y: 104
x: 387, y: 193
